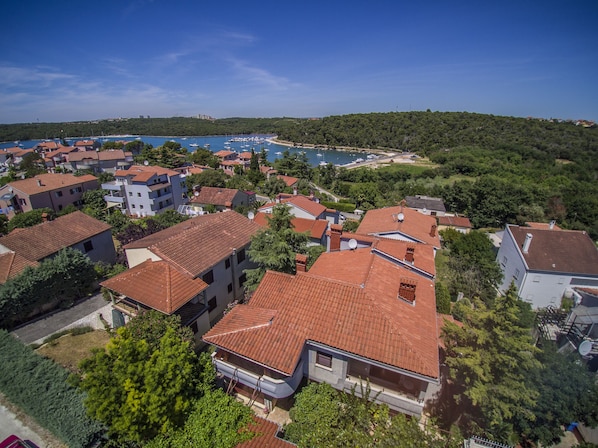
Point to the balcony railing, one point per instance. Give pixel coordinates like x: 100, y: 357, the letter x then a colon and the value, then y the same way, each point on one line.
x: 263, y: 383
x: 395, y: 400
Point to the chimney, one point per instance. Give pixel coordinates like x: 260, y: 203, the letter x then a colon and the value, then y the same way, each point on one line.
x: 336, y: 230
x: 433, y: 230
x: 409, y: 254
x: 551, y: 225
x: 527, y: 242
x: 301, y: 263
x: 407, y: 290
x: 295, y: 190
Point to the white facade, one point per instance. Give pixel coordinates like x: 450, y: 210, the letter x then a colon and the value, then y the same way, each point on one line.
x: 540, y: 288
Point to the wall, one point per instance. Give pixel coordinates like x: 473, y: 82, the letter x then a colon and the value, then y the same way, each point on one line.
x: 138, y: 256
x: 102, y: 248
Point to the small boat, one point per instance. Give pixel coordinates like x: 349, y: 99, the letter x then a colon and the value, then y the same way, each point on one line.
x: 323, y: 163
x: 193, y: 145
x: 320, y: 155
x: 359, y: 160
x: 278, y: 153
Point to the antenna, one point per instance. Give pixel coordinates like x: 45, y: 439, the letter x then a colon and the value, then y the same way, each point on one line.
x: 352, y: 244
x: 251, y: 215
x: 585, y: 348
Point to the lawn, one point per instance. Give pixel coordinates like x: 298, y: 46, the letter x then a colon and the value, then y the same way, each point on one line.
x: 69, y: 350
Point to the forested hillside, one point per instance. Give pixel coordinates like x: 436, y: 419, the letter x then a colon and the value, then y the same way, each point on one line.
x: 494, y: 169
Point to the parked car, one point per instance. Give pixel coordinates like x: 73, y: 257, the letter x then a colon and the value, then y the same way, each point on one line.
x: 13, y: 441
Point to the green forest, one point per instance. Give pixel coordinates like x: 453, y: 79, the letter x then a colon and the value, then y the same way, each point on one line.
x: 494, y: 169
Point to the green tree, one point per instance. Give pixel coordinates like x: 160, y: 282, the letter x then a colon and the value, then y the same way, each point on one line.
x: 30, y: 218
x: 32, y: 164
x: 443, y: 298
x: 152, y: 325
x: 139, y: 391
x: 273, y: 187
x: 204, y: 157
x: 324, y: 417
x: 94, y: 204
x: 489, y: 357
x: 567, y: 393
x: 254, y: 174
x: 275, y: 247
x: 208, y: 178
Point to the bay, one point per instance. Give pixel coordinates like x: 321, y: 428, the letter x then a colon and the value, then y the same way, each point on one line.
x: 238, y: 143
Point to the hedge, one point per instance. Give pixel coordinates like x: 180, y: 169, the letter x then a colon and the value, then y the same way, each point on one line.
x: 346, y: 207
x: 39, y: 387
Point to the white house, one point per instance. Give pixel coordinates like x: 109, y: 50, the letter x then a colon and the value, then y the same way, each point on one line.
x: 547, y: 263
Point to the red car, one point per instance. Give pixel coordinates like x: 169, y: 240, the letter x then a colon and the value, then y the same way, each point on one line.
x: 14, y: 442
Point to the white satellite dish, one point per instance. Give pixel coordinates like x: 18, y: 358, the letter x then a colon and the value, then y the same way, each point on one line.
x: 352, y: 244
x: 145, y: 162
x: 196, y: 193
x: 585, y: 348
x: 401, y: 217
x: 251, y: 215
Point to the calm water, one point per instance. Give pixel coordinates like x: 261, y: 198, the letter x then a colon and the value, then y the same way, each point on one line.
x: 237, y: 143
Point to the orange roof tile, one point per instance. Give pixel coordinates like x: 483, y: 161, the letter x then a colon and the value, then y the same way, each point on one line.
x: 454, y: 221
x: 156, y: 284
x: 265, y: 437
x: 214, y: 195
x: 366, y: 319
x: 137, y: 170
x: 12, y: 264
x: 423, y: 254
x: 542, y: 225
x: 245, y: 155
x: 49, y: 182
x: 215, y: 235
x: 223, y: 153
x: 51, y: 236
x: 290, y: 181
x: 383, y: 221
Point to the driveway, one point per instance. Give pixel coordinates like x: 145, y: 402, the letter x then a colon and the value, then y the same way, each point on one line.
x: 10, y: 424
x: 84, y: 313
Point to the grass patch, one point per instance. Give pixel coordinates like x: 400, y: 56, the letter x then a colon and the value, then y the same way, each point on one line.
x: 69, y: 350
x: 442, y: 270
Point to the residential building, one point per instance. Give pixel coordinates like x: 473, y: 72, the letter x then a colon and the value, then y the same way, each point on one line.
x: 87, y: 145
x: 193, y: 269
x: 458, y: 223
x: 220, y: 198
x: 547, y: 263
x: 315, y: 228
x: 401, y: 223
x: 146, y: 190
x: 426, y: 205
x: 303, y: 207
x: 50, y: 190
x: 356, y: 316
x: 98, y: 161
x: 31, y: 245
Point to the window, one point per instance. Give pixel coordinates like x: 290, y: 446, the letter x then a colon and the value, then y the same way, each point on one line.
x: 227, y: 263
x: 87, y: 246
x: 208, y: 277
x: 516, y: 275
x: 230, y: 287
x: 130, y: 193
x: 59, y: 194
x: 133, y: 205
x: 504, y: 261
x: 59, y: 207
x: 138, y: 195
x: 22, y: 201
x: 240, y: 256
x: 242, y: 280
x: 212, y: 304
x: 141, y: 206
x: 324, y: 360
x: 194, y: 327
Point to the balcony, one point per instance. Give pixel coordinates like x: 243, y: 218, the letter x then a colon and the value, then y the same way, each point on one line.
x: 276, y: 388
x: 395, y: 400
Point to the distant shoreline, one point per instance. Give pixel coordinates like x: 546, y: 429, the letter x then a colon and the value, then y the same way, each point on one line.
x: 277, y: 141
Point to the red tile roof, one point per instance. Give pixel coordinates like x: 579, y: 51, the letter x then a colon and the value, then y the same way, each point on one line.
x: 353, y: 307
x: 304, y: 203
x: 315, y: 228
x: 140, y: 172
x: 12, y: 264
x: 223, y: 153
x: 415, y: 225
x: 50, y: 181
x: 265, y: 437
x: 156, y: 284
x: 542, y: 225
x: 290, y: 181
x: 454, y: 221
x: 423, y: 254
x: 569, y: 251
x: 212, y: 237
x: 214, y: 196
x: 49, y: 237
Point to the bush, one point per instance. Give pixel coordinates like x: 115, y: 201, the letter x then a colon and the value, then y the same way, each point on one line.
x: 39, y: 387
x: 346, y: 207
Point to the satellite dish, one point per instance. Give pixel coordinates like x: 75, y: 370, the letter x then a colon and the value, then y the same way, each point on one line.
x: 352, y: 244
x: 196, y: 193
x: 585, y: 348
x: 145, y: 162
x: 401, y: 217
x: 251, y: 215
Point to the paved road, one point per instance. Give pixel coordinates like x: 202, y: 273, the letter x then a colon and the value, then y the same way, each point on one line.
x: 84, y: 313
x: 10, y: 424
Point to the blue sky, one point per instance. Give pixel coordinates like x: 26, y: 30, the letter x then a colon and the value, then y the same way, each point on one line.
x: 79, y: 60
